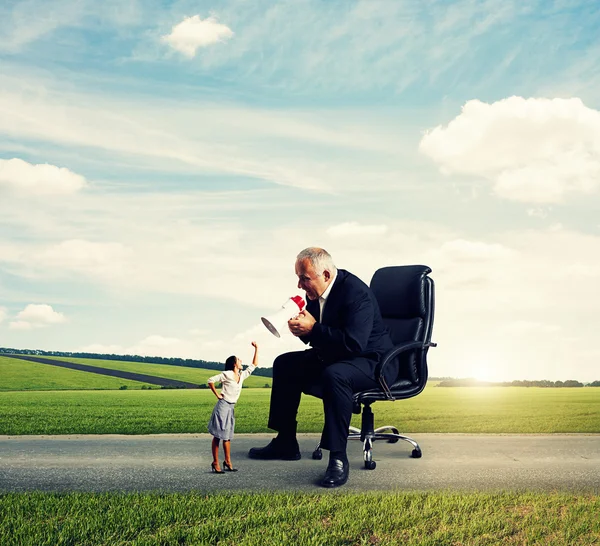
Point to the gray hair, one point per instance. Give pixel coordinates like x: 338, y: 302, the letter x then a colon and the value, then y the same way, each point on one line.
x: 320, y: 259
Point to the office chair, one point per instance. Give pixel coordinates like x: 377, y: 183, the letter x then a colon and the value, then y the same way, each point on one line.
x: 406, y: 298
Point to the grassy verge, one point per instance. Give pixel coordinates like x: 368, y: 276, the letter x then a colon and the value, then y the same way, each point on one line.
x: 21, y: 375
x: 300, y: 519
x: 181, y: 373
x: 437, y: 409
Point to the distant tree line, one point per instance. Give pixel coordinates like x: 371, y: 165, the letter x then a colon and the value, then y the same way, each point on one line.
x: 268, y: 372
x: 187, y: 362
x: 469, y: 382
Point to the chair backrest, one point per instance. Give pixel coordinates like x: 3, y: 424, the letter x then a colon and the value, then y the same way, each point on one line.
x: 406, y: 298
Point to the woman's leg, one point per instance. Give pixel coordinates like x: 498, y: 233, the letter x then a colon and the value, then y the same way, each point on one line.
x: 215, y: 452
x: 227, y: 450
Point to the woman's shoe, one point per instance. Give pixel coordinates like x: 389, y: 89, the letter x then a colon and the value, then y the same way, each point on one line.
x: 228, y: 467
x: 215, y: 469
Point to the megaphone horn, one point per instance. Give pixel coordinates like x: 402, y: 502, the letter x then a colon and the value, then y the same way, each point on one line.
x: 278, y: 321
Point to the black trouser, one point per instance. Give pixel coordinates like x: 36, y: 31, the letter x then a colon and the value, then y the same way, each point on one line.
x: 303, y: 371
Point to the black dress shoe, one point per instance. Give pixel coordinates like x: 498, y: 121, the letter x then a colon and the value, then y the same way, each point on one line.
x: 228, y: 467
x: 276, y: 449
x: 336, y: 473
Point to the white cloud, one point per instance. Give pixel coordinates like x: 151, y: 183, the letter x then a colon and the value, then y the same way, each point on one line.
x: 533, y: 150
x: 353, y: 229
x: 156, y: 345
x: 539, y: 212
x: 211, y: 347
x: 36, y: 316
x: 314, y: 45
x: 20, y: 26
x: 198, y: 332
x: 182, y: 136
x: 20, y: 325
x: 193, y: 33
x: 99, y: 348
x: 269, y: 345
x: 43, y: 179
x: 504, y: 303
x: 25, y: 21
x: 528, y: 328
x: 582, y: 271
x: 163, y: 346
x: 3, y: 314
x: 537, y: 279
x: 465, y: 251
x: 97, y: 259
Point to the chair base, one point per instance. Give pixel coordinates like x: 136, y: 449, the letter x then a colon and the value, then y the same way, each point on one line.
x: 368, y: 435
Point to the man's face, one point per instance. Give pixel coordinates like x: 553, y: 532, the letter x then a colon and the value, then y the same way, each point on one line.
x: 314, y: 285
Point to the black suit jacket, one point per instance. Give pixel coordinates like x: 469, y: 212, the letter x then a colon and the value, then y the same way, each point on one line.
x: 352, y: 328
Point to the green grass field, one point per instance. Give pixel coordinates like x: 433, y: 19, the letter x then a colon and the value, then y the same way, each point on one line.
x: 21, y: 375
x: 330, y: 518
x: 436, y: 409
x: 424, y: 519
x: 181, y: 373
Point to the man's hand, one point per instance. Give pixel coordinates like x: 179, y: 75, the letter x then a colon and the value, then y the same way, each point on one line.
x: 302, y: 325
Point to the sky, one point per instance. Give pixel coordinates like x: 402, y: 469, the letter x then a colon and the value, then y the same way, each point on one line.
x: 162, y: 164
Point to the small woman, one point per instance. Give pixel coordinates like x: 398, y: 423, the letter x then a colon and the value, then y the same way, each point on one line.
x: 222, y: 420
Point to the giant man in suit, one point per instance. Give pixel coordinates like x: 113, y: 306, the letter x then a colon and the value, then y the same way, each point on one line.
x: 343, y: 326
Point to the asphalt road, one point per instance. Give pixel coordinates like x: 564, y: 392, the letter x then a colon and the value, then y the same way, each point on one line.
x: 560, y: 462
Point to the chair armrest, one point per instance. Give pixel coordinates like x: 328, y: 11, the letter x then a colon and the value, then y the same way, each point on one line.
x: 393, y: 353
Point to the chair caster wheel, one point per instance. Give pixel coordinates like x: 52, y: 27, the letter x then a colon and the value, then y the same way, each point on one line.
x: 370, y: 465
x: 416, y: 454
x: 317, y: 455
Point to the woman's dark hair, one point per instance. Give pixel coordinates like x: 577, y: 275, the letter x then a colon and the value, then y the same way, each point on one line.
x: 230, y: 363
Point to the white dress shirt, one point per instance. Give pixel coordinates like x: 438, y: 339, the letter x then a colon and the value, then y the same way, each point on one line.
x: 230, y: 388
x: 324, y: 296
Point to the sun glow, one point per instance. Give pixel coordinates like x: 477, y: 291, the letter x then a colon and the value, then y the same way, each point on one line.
x: 486, y: 366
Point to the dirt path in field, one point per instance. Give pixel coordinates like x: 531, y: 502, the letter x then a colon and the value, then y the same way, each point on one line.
x: 153, y: 380
x: 181, y: 462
